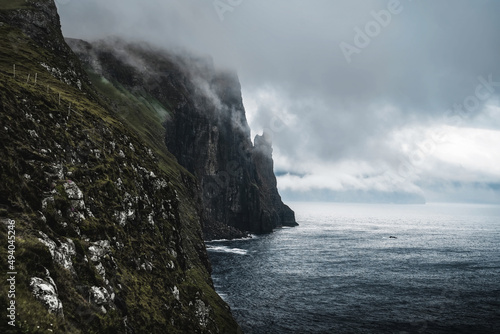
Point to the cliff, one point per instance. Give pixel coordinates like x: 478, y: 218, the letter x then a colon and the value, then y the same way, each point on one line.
x: 205, y: 129
x: 106, y: 222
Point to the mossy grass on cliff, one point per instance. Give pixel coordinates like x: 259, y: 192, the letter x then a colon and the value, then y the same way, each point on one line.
x: 13, y: 4
x: 101, y: 208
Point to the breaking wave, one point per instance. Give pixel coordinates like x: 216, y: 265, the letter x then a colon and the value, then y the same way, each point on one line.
x: 224, y: 249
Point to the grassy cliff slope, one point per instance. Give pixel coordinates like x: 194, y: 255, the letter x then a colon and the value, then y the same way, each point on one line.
x: 107, y: 233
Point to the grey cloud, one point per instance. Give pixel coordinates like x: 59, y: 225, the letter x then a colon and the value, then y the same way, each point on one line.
x: 424, y: 61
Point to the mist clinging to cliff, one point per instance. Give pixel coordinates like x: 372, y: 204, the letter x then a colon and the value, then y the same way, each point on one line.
x: 350, y: 108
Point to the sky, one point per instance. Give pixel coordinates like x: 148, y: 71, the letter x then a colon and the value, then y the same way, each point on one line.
x: 373, y: 98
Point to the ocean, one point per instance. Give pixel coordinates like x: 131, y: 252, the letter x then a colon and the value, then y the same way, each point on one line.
x: 358, y: 268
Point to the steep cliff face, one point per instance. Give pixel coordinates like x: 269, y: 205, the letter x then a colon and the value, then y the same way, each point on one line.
x: 270, y: 198
x: 106, y: 222
x: 211, y: 138
x: 206, y: 130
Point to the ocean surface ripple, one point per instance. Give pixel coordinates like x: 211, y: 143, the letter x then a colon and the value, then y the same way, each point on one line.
x: 367, y: 269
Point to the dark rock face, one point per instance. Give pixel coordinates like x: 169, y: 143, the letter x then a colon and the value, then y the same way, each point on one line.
x: 39, y: 20
x: 211, y: 138
x: 107, y: 223
x: 206, y: 130
x: 262, y: 158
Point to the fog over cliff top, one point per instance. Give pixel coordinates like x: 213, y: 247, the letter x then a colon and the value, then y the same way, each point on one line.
x: 361, y: 96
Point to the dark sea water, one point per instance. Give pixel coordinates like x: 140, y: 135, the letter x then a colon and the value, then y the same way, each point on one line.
x: 340, y: 272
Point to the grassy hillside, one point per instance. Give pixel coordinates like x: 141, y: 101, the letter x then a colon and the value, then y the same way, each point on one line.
x: 103, y: 214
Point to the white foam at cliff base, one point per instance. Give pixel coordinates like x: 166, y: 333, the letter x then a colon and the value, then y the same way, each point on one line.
x: 250, y: 237
x: 223, y: 249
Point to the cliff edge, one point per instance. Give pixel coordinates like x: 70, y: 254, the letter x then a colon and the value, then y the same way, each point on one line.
x: 99, y: 225
x: 205, y: 129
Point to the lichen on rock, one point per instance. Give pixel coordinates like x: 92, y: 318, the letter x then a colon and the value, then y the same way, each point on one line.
x: 45, y: 290
x: 62, y: 254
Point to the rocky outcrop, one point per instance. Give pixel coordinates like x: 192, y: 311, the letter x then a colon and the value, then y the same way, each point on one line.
x: 107, y: 224
x: 211, y: 138
x: 262, y: 158
x: 39, y: 21
x: 205, y: 129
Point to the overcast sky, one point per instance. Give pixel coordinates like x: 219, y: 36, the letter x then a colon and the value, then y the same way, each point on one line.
x: 375, y: 96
